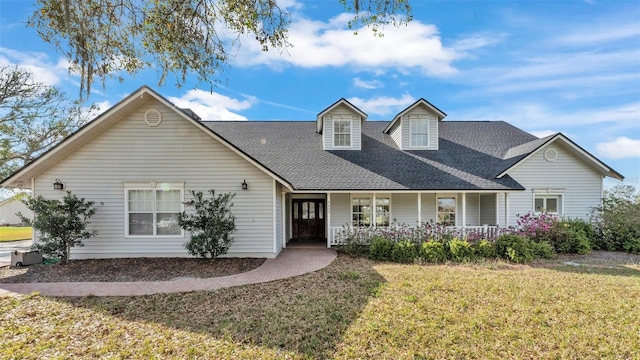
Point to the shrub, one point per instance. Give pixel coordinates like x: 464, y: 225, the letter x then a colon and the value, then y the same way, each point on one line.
x: 460, y: 250
x: 433, y: 251
x: 484, y: 249
x: 542, y: 250
x: 404, y: 252
x: 380, y: 248
x: 211, y: 224
x: 353, y: 249
x: 618, y: 219
x: 632, y: 246
x: 515, y: 248
x: 62, y: 223
x: 566, y: 236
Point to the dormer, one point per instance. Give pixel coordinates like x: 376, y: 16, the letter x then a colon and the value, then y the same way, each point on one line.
x: 416, y: 127
x: 341, y: 126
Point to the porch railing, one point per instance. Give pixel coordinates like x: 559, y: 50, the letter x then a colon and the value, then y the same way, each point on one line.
x: 337, y: 235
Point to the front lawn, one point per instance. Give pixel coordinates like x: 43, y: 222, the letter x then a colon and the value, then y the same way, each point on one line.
x: 355, y: 308
x: 13, y: 233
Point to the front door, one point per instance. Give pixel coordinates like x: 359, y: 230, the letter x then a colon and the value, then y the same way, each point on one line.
x: 308, y: 219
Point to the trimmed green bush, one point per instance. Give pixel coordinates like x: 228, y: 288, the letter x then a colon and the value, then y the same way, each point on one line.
x: 380, y: 249
x: 433, y: 251
x: 211, y: 224
x: 404, y: 252
x: 460, y: 250
x: 542, y: 250
x: 484, y: 249
x: 514, y: 248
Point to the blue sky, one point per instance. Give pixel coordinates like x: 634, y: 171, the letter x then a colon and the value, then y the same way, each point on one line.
x: 544, y: 66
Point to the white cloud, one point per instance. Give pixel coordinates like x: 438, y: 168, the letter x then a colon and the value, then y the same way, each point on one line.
x: 383, y: 105
x: 538, y: 116
x: 99, y: 108
x: 38, y: 63
x: 619, y: 148
x: 332, y: 43
x: 543, y: 133
x: 364, y: 84
x: 211, y: 105
x: 600, y: 33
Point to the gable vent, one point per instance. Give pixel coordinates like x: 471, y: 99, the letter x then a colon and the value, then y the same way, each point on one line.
x: 153, y: 117
x: 550, y: 154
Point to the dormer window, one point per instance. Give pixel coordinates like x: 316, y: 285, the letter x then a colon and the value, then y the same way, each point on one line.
x: 341, y: 133
x: 416, y: 127
x: 419, y: 132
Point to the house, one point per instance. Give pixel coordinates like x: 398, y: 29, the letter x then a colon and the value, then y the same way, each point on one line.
x: 305, y: 180
x: 9, y: 208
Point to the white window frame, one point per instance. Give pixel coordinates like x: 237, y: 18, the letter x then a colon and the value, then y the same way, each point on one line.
x: 411, y: 133
x: 334, y: 121
x: 455, y: 199
x: 367, y: 197
x: 151, y: 186
x: 558, y: 197
x: 383, y: 196
x: 370, y: 197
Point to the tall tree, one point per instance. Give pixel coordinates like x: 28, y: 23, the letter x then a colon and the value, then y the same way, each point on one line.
x: 102, y: 37
x: 33, y: 117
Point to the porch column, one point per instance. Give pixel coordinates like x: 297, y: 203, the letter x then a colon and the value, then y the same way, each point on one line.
x: 327, y: 216
x: 419, y: 209
x: 464, y: 210
x: 498, y: 209
x: 506, y: 209
x: 374, y: 223
x: 283, y: 212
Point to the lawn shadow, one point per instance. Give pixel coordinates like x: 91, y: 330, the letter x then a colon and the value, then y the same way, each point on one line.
x: 597, y: 262
x: 307, y: 315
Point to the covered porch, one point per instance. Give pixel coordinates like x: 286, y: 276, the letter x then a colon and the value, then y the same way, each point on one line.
x: 322, y: 217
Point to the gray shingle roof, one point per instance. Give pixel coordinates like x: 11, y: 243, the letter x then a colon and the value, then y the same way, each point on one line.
x: 470, y: 156
x: 527, y: 147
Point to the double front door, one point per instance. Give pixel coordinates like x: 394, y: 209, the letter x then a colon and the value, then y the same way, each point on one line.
x: 308, y: 219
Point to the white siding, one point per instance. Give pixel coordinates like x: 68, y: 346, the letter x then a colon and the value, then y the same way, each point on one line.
x: 278, y: 214
x: 581, y: 185
x: 396, y: 134
x: 419, y: 113
x: 340, y: 209
x: 429, y: 208
x: 327, y: 132
x: 501, y: 209
x: 287, y: 216
x: 473, y: 209
x: 10, y: 208
x: 487, y: 209
x: 175, y: 151
x: 342, y: 112
x: 404, y: 209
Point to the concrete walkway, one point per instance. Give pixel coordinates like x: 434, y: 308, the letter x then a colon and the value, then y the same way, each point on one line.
x: 290, y: 262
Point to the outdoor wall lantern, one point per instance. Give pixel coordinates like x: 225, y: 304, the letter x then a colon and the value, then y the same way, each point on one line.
x: 58, y: 185
x: 245, y: 186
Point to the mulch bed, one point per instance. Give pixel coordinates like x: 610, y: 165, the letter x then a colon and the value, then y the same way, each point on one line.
x: 131, y: 269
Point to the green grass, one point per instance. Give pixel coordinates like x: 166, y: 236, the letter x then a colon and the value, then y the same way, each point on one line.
x: 355, y: 308
x: 13, y: 233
